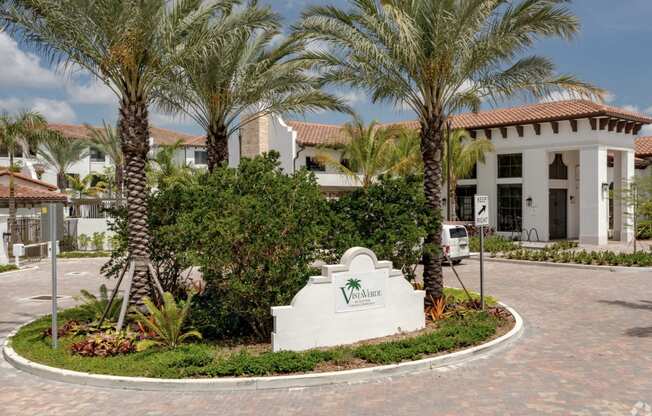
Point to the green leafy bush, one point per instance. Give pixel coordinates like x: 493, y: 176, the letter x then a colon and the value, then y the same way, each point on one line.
x: 83, y: 242
x: 98, y: 240
x: 7, y: 267
x: 253, y: 231
x: 493, y: 244
x: 390, y: 218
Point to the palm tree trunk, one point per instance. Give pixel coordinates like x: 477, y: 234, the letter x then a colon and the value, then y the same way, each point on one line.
x: 13, y: 226
x: 61, y: 181
x: 217, y: 146
x: 134, y: 132
x: 453, y: 199
x: 119, y: 179
x: 431, y: 151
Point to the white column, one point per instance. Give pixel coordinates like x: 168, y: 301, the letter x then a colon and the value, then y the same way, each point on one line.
x: 594, y: 203
x: 623, y: 209
x: 536, y: 187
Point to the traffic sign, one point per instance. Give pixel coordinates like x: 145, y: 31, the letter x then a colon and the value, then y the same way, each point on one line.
x: 481, y: 210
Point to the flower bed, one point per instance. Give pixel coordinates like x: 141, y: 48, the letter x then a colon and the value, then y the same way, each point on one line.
x: 459, y: 326
x: 566, y: 252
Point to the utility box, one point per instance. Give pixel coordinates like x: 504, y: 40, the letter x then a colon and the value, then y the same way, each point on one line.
x: 45, y: 222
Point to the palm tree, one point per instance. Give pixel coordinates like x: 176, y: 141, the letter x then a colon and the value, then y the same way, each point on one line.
x: 107, y: 141
x: 163, y: 170
x: 371, y: 151
x: 246, y: 77
x: 128, y: 45
x: 439, y: 58
x: 464, y: 157
x: 82, y: 187
x: 20, y: 132
x: 61, y: 153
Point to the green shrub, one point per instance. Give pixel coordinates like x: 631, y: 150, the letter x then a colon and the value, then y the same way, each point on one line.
x: 492, y: 244
x: 98, y: 240
x: 83, y: 241
x: 253, y: 231
x: 7, y: 267
x: 389, y: 217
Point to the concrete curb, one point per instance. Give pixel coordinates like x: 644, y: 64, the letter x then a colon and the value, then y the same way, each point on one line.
x: 613, y: 269
x: 263, y: 383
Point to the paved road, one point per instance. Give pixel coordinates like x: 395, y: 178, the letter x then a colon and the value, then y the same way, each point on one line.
x: 586, y: 350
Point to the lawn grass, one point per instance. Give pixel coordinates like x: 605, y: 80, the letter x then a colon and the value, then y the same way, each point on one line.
x: 7, y: 267
x: 210, y: 360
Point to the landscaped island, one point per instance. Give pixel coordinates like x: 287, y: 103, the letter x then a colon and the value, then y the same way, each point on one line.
x: 451, y: 326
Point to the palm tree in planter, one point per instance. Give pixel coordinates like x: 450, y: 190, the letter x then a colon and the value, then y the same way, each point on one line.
x: 439, y: 58
x: 18, y: 133
x: 465, y: 155
x: 61, y: 153
x: 128, y: 45
x: 371, y: 151
x: 107, y: 141
x: 246, y: 77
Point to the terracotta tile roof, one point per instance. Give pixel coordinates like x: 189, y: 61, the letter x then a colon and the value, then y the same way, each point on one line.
x: 30, y: 179
x: 29, y: 194
x: 643, y: 146
x: 539, y: 113
x: 313, y: 134
x: 161, y: 136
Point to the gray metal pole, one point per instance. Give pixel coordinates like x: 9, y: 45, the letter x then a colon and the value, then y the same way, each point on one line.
x: 53, y: 255
x: 482, y: 266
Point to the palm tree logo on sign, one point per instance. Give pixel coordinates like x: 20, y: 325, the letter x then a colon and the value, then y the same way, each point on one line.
x: 355, y: 295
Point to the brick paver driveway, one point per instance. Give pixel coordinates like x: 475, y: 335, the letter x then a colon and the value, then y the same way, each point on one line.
x: 586, y: 350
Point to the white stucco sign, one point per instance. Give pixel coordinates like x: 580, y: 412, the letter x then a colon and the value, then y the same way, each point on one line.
x: 361, y: 298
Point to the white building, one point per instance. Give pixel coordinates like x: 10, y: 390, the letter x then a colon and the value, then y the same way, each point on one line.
x: 550, y: 175
x: 192, y: 152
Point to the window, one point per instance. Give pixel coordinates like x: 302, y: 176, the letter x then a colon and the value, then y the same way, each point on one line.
x: 97, y: 155
x: 557, y: 169
x: 201, y: 157
x: 457, y: 232
x: 510, y: 208
x: 510, y: 166
x: 313, y: 165
x: 464, y: 199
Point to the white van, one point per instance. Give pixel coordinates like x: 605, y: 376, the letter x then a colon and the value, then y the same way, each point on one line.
x: 455, y: 242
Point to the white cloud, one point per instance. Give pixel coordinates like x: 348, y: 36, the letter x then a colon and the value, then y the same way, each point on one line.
x: 570, y: 95
x: 632, y: 108
x: 55, y: 111
x: 648, y: 110
x: 646, y: 130
x: 22, y: 69
x: 92, y: 92
x: 352, y: 97
x: 161, y: 119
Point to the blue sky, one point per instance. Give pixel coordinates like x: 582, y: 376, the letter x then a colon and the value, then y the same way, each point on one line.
x: 612, y: 51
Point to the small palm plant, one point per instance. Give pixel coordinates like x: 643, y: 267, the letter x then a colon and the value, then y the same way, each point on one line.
x: 165, y: 323
x: 96, y: 305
